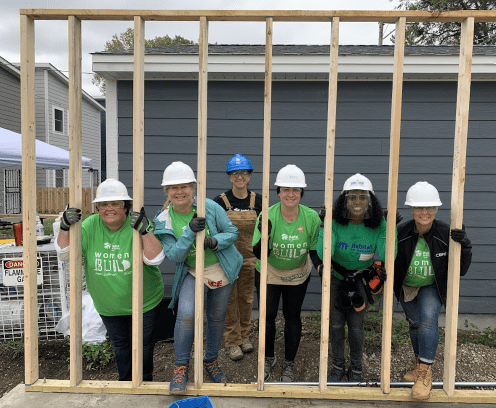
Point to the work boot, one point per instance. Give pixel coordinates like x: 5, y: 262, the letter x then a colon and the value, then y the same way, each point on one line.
x: 247, y: 347
x: 423, y: 383
x: 235, y: 353
x: 336, y: 375
x: 178, y: 383
x: 269, y: 363
x: 215, y: 372
x: 410, y: 375
x: 355, y: 374
x: 287, y: 371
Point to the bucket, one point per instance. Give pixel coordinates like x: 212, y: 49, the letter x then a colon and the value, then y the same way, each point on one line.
x: 18, y: 234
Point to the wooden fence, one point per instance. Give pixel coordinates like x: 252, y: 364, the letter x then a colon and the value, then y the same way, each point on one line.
x: 52, y: 200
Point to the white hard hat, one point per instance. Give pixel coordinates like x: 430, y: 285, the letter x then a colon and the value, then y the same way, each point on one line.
x: 358, y: 182
x: 178, y: 173
x: 111, y: 190
x: 423, y: 194
x: 290, y: 176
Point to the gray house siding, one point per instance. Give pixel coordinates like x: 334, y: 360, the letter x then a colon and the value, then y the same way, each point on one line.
x: 10, y: 101
x: 299, y: 111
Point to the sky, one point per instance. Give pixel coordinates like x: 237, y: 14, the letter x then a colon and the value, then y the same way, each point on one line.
x: 51, y: 41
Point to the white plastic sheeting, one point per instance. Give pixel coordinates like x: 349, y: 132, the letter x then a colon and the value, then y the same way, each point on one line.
x: 47, y: 156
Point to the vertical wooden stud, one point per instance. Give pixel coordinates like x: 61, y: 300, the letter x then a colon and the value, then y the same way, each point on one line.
x: 394, y: 158
x: 201, y: 196
x: 457, y: 191
x: 138, y: 192
x: 265, y: 202
x: 329, y: 183
x: 75, y: 198
x: 28, y: 130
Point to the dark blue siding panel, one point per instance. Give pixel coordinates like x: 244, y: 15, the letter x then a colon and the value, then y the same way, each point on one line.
x: 298, y: 136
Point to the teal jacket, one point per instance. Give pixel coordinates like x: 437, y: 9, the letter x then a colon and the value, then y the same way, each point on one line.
x: 177, y: 249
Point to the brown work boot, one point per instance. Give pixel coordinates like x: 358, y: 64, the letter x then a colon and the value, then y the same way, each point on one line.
x: 410, y: 375
x: 423, y: 384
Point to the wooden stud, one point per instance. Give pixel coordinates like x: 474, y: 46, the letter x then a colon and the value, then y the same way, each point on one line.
x: 75, y: 198
x: 201, y: 196
x: 329, y: 183
x: 28, y: 130
x: 138, y: 193
x: 457, y: 191
x: 265, y: 202
x: 394, y: 158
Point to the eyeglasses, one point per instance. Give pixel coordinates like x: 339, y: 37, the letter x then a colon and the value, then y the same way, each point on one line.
x: 236, y: 174
x: 113, y: 204
x: 422, y: 209
x: 354, y: 197
x: 295, y: 190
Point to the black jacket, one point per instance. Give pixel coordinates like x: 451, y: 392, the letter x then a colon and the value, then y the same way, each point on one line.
x: 437, y: 239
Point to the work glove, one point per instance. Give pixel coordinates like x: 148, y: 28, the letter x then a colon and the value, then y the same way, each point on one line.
x: 269, y: 227
x: 322, y: 213
x: 460, y: 236
x: 377, y: 277
x: 320, y: 269
x: 399, y: 218
x: 210, y: 242
x: 70, y: 216
x: 140, y: 222
x: 197, y: 224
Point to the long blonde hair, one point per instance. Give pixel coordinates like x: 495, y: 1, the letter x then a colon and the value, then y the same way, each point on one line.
x: 166, y: 191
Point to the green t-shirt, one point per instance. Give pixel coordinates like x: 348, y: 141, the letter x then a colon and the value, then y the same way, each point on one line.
x: 179, y: 223
x: 108, y: 261
x: 353, y: 246
x: 290, y: 241
x: 420, y: 272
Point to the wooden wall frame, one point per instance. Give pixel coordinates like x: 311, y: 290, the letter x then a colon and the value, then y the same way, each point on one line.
x: 137, y: 386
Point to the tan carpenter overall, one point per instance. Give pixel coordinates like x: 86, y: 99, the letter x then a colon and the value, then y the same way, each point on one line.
x: 238, y: 316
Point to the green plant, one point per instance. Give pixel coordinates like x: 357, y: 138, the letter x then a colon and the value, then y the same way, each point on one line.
x: 15, y: 348
x: 97, y: 356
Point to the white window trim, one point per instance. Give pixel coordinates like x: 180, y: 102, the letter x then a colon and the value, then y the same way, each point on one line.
x: 64, y: 115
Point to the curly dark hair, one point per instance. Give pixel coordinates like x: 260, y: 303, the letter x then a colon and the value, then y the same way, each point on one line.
x: 373, y: 222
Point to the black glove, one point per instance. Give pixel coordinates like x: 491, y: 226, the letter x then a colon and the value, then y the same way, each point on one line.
x: 197, y: 224
x: 139, y: 222
x: 377, y: 278
x: 322, y: 212
x: 210, y: 242
x: 269, y: 227
x: 70, y: 216
x: 460, y: 236
x: 399, y: 218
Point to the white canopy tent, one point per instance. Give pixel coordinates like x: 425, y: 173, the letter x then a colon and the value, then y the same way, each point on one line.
x: 47, y: 156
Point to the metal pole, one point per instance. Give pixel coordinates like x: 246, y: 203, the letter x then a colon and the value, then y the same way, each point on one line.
x: 378, y: 383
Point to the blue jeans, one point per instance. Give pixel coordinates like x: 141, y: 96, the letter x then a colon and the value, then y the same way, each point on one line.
x: 184, y: 331
x: 120, y: 331
x: 422, y: 314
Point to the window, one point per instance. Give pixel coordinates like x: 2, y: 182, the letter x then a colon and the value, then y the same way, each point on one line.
x: 58, y: 120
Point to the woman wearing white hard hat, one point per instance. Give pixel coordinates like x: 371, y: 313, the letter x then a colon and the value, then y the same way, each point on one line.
x: 358, y: 231
x: 176, y: 226
x: 293, y: 231
x: 107, y: 250
x: 421, y: 278
x: 242, y: 207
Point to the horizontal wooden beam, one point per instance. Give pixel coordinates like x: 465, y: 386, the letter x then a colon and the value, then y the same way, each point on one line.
x: 387, y: 16
x: 270, y: 391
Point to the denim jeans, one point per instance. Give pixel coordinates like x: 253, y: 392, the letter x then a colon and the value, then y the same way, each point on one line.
x: 120, y: 331
x: 422, y: 314
x: 354, y: 320
x: 184, y: 331
x: 292, y: 301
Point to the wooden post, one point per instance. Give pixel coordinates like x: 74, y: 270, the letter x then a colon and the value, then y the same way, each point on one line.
x: 75, y: 198
x: 28, y: 130
x: 394, y: 158
x: 329, y: 183
x: 457, y: 191
x: 265, y: 202
x: 201, y: 196
x: 138, y: 192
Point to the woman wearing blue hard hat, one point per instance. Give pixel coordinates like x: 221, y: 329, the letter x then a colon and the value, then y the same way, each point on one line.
x: 242, y: 207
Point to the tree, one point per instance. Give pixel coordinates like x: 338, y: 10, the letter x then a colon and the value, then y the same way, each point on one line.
x: 447, y: 33
x: 125, y: 41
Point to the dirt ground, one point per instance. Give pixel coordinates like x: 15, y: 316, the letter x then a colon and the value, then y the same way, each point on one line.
x: 475, y: 362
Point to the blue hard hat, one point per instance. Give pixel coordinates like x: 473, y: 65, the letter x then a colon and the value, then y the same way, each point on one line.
x: 238, y: 162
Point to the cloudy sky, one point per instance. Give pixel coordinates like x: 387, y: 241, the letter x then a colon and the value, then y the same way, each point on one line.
x: 51, y: 36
